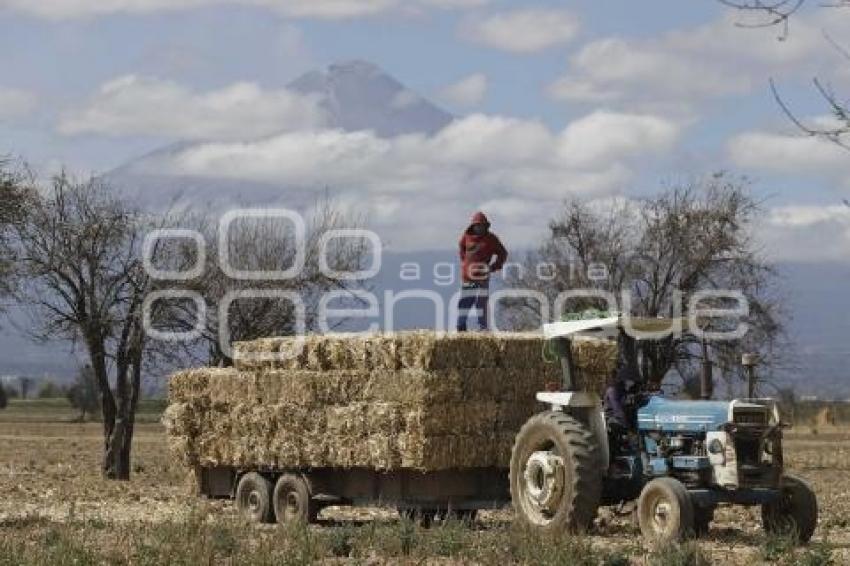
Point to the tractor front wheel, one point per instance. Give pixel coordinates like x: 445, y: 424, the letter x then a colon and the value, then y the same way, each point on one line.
x: 665, y: 511
x: 555, y: 482
x: 794, y: 512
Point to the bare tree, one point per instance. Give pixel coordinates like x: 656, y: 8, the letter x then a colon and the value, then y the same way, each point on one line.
x: 261, y: 246
x: 84, y: 394
x: 662, y: 250
x: 25, y: 382
x: 14, y: 197
x: 78, y: 251
x: 778, y: 13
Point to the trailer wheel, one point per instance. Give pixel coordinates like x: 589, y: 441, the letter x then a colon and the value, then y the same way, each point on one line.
x: 555, y: 480
x: 254, y: 498
x: 293, y: 502
x: 665, y: 511
x: 796, y: 510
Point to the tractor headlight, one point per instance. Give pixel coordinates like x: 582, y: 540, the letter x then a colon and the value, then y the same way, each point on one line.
x: 715, y: 447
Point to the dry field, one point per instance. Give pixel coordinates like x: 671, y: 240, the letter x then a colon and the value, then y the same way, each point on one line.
x: 54, y: 509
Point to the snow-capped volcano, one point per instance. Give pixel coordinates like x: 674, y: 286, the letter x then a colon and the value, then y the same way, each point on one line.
x: 357, y: 95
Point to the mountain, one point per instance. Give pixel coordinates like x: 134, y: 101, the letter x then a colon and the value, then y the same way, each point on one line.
x: 360, y: 96
x: 356, y: 95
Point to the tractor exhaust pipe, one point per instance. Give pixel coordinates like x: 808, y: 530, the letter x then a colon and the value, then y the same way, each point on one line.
x: 750, y: 361
x: 564, y: 351
x: 707, y: 378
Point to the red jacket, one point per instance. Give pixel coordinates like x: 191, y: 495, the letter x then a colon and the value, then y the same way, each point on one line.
x: 477, y: 252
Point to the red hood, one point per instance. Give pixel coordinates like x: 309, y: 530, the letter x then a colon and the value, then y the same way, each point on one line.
x: 478, y: 218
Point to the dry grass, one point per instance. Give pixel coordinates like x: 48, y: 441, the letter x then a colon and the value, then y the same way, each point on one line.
x: 56, y: 510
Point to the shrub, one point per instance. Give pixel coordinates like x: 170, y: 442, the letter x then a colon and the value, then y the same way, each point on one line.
x: 84, y: 394
x: 50, y: 391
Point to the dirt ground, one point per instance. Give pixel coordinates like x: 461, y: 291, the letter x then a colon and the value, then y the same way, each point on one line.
x: 49, y: 472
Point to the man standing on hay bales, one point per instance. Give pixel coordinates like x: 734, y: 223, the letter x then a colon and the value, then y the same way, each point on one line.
x: 481, y: 253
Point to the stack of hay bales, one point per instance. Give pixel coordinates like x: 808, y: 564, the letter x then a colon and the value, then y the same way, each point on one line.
x: 417, y: 400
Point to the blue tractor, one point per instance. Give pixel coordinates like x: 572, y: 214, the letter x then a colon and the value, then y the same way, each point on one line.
x: 678, y: 459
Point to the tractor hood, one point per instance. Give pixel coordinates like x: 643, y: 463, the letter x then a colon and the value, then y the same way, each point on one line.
x: 669, y: 415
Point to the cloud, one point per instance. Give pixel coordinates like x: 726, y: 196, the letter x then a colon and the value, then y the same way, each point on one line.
x: 780, y: 153
x: 523, y: 31
x: 134, y: 105
x: 469, y: 91
x: 807, y: 233
x: 484, y: 152
x: 683, y: 68
x: 450, y: 4
x: 15, y: 103
x: 475, y: 160
x: 318, y: 9
x: 800, y: 233
x: 792, y: 155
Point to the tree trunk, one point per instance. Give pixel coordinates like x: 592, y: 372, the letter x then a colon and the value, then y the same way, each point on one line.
x: 128, y: 385
x: 115, y: 465
x: 135, y: 390
x: 107, y: 400
x: 117, y: 457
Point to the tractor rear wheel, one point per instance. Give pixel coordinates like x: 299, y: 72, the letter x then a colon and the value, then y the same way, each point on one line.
x: 795, y: 512
x: 555, y: 481
x: 293, y: 502
x: 254, y: 498
x: 665, y: 511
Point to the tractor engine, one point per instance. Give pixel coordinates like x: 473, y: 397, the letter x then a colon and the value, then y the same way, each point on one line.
x: 712, y: 444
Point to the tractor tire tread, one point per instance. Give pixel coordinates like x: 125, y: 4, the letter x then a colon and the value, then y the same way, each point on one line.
x: 586, y: 486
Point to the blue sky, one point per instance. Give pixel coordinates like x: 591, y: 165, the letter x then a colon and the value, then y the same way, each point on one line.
x: 698, y: 83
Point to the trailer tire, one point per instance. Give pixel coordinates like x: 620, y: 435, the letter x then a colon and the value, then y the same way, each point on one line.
x: 665, y: 511
x: 554, y: 477
x: 254, y: 498
x: 795, y: 512
x: 293, y: 501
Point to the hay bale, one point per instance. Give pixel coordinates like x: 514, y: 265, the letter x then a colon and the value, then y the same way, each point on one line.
x: 475, y: 418
x: 424, y: 350
x: 271, y: 353
x: 595, y: 360
x: 521, y: 351
x: 185, y: 385
x: 417, y: 400
x: 433, y: 351
x: 426, y: 453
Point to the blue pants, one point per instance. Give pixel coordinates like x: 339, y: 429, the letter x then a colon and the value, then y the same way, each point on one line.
x: 473, y: 296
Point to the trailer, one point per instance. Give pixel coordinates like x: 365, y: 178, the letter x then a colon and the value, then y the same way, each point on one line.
x: 269, y: 495
x: 421, y: 422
